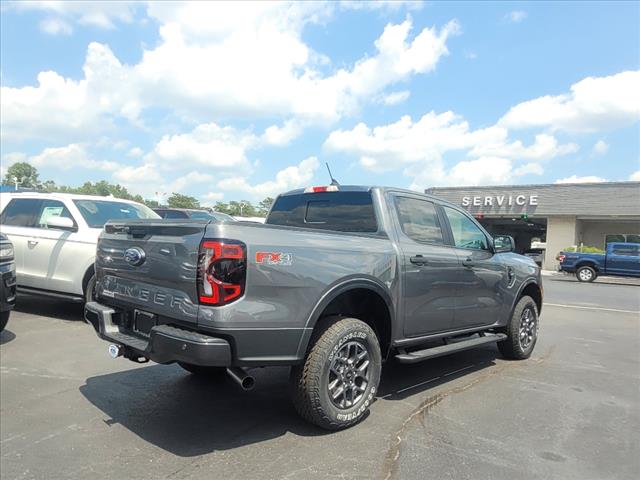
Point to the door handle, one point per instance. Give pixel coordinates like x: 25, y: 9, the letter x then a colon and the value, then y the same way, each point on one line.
x: 419, y: 260
x: 32, y: 243
x: 468, y: 262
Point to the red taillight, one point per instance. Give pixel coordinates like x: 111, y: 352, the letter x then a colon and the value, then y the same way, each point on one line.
x: 222, y: 267
x: 561, y: 258
x: 330, y: 188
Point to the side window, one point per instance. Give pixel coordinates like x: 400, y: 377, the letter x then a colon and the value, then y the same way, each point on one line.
x: 49, y: 209
x: 21, y: 212
x: 626, y: 250
x: 466, y: 234
x: 419, y: 220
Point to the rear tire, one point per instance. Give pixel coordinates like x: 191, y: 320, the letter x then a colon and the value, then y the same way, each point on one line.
x: 586, y: 274
x: 521, y: 331
x: 339, y: 378
x: 203, y: 371
x: 4, y: 318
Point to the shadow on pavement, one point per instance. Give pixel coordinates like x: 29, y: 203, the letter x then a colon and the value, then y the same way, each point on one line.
x: 188, y: 416
x: 6, y: 335
x: 49, y: 307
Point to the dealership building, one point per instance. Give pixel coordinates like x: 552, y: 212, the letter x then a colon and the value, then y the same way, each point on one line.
x: 560, y: 215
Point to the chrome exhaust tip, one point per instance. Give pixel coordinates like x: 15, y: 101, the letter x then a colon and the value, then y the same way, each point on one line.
x: 241, y: 377
x: 115, y: 351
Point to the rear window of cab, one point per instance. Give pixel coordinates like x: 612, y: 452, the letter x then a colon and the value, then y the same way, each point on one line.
x: 337, y: 211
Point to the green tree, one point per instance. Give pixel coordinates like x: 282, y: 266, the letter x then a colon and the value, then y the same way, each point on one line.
x: 242, y: 208
x: 264, y: 206
x: 177, y: 200
x: 26, y: 175
x: 150, y: 203
x: 222, y: 207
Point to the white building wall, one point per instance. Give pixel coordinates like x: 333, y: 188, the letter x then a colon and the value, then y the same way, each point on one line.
x: 592, y: 232
x: 561, y: 233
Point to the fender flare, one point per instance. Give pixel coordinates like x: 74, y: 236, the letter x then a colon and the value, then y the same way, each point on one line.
x: 336, y: 289
x: 524, y: 285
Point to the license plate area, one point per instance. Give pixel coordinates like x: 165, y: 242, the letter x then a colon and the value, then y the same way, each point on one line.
x: 143, y: 322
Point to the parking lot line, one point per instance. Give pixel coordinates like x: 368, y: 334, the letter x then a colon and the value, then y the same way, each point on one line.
x: 590, y: 308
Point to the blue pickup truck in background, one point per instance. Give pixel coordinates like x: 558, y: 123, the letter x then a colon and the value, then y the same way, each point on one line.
x: 619, y: 259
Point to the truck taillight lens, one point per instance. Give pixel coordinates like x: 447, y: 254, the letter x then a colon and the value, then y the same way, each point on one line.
x: 561, y: 258
x: 222, y: 270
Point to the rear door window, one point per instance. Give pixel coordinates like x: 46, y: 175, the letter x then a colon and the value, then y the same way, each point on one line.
x: 21, y: 212
x: 419, y: 220
x: 338, y: 211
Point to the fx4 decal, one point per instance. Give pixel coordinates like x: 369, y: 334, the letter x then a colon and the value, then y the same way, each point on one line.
x: 273, y: 258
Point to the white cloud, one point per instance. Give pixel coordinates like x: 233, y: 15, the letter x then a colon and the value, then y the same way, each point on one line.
x: 281, y: 136
x: 207, y: 145
x: 101, y: 14
x: 55, y: 26
x: 381, y: 4
x: 289, y: 178
x: 594, y: 104
x: 394, y: 98
x: 69, y: 157
x: 418, y: 148
x: 215, y: 60
x: 600, y: 148
x: 135, y: 152
x: 64, y: 109
x: 209, y: 199
x: 516, y: 16
x: 585, y: 179
x: 635, y: 176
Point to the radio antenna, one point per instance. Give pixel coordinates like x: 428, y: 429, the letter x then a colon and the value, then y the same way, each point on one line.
x: 333, y: 180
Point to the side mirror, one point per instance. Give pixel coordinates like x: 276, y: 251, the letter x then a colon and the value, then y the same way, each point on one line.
x: 62, y: 223
x: 503, y: 243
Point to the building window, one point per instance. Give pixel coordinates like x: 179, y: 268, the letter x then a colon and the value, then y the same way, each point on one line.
x: 622, y: 238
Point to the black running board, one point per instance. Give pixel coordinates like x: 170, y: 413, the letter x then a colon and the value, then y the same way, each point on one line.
x: 453, y: 347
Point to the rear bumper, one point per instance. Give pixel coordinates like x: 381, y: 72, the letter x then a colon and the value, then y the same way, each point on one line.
x: 166, y: 344
x: 7, y: 286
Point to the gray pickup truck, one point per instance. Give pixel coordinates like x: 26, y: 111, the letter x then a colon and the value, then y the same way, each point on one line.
x: 338, y: 280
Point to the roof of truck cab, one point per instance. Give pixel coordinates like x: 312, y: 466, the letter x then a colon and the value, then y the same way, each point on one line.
x: 367, y: 188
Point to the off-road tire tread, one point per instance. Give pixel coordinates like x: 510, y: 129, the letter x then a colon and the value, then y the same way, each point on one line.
x: 510, y: 347
x: 305, y: 378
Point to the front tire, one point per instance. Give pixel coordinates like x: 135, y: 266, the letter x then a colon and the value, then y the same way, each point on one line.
x: 586, y: 274
x: 90, y: 290
x: 4, y: 318
x: 522, y: 331
x: 338, y: 380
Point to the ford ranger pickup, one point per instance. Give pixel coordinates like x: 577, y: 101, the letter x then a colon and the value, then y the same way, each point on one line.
x: 338, y: 280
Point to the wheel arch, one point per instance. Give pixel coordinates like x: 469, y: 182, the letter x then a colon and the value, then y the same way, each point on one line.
x: 365, y: 298
x: 533, y: 290
x: 587, y: 263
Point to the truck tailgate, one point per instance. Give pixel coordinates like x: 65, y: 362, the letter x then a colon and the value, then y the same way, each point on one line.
x: 151, y: 265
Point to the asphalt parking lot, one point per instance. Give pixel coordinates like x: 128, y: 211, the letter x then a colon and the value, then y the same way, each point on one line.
x: 571, y: 411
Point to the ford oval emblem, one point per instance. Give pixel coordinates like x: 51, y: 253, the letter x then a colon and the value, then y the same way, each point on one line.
x: 134, y: 256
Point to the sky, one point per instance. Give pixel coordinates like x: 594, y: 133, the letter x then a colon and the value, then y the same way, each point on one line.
x: 228, y: 101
